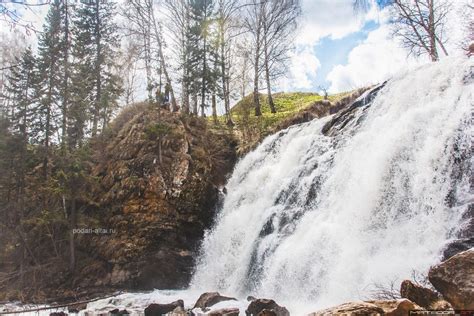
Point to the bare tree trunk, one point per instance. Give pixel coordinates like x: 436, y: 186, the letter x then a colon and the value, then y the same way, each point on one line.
x: 149, y: 81
x: 431, y: 31
x: 203, y: 80
x: 267, y: 78
x: 174, y: 105
x: 98, y: 83
x: 256, y: 98
x: 224, y: 76
x: 195, y: 104
x: 72, y: 243
x: 66, y: 78
x: 185, y: 97
x: 214, y: 108
x: 47, y: 131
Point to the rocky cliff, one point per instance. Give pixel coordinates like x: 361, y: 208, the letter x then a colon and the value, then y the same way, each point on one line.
x: 157, y: 211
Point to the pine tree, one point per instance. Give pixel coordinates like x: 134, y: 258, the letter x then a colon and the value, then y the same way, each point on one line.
x: 203, y: 53
x: 21, y: 84
x: 95, y: 46
x: 51, y: 80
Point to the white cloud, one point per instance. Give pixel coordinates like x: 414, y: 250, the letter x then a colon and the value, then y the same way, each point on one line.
x: 376, y: 59
x: 333, y: 18
x: 302, y: 71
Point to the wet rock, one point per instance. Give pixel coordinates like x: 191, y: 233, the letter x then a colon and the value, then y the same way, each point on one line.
x: 225, y: 312
x: 257, y: 306
x: 352, y: 308
x: 347, y: 115
x: 399, y: 307
x: 117, y: 312
x: 454, y: 279
x: 179, y: 311
x: 458, y: 246
x: 209, y: 299
x: 161, y: 309
x: 422, y: 296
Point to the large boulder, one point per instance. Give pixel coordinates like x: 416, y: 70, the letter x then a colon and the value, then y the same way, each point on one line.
x: 162, y: 309
x: 265, y: 306
x: 420, y: 295
x: 352, y: 308
x: 211, y: 298
x: 454, y: 279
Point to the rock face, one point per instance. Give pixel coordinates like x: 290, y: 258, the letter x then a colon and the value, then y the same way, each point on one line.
x: 422, y: 296
x: 263, y: 306
x: 157, y: 211
x: 454, y: 279
x: 162, y: 309
x: 211, y: 298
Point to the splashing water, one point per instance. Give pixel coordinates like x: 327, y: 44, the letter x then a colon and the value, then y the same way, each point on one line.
x: 315, y: 219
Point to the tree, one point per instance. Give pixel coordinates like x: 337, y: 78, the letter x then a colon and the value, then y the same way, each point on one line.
x: 203, y: 50
x: 143, y: 23
x: 179, y: 16
x: 82, y: 86
x: 21, y: 86
x: 129, y: 72
x: 228, y: 26
x: 96, y: 31
x: 66, y: 46
x: 138, y: 26
x: 279, y: 22
x: 50, y: 46
x: 10, y: 15
x: 421, y: 25
x: 253, y: 22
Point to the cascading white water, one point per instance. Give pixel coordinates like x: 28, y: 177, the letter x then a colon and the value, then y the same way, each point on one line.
x: 314, y: 220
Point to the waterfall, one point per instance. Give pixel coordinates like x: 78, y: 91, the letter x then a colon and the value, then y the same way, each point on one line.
x: 323, y: 212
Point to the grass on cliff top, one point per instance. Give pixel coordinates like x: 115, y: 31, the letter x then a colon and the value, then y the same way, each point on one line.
x: 287, y: 104
x: 251, y: 128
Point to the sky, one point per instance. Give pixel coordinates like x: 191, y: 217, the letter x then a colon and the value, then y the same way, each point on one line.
x: 340, y: 50
x: 335, y: 47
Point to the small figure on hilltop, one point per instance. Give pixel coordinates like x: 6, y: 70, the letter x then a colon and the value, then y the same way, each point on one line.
x: 470, y: 50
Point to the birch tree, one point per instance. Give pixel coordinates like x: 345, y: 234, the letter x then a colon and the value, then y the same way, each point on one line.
x: 278, y: 24
x: 421, y: 25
